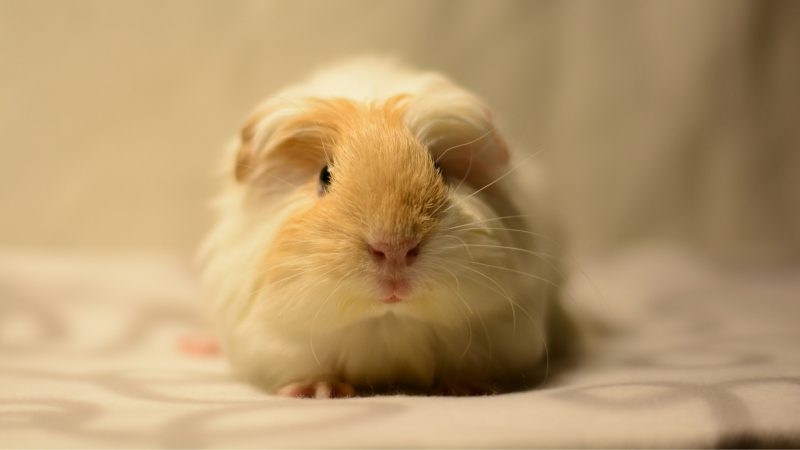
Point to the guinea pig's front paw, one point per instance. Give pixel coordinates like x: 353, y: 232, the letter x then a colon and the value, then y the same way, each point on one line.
x: 317, y: 389
x: 199, y: 345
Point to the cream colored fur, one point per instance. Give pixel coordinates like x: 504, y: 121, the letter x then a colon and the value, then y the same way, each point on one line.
x: 290, y: 287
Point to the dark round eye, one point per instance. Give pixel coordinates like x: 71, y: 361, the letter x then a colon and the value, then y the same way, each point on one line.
x: 324, y: 180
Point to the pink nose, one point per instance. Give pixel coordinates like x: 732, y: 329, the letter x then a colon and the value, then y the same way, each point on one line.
x: 394, y: 253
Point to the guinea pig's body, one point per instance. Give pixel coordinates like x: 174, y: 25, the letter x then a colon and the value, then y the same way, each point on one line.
x: 372, y: 236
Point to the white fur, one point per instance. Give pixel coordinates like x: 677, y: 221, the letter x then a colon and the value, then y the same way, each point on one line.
x: 467, y: 324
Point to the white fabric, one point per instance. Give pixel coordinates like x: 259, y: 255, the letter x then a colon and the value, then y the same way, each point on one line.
x: 704, y: 357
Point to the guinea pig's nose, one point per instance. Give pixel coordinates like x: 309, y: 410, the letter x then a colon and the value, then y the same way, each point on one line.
x: 394, y: 253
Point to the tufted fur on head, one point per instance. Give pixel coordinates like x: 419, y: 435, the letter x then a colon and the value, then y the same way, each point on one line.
x: 409, y: 158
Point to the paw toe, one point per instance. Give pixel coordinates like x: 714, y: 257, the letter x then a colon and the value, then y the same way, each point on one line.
x: 317, y: 389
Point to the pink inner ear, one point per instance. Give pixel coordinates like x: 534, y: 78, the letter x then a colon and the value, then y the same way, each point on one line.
x: 478, y: 164
x: 501, y: 156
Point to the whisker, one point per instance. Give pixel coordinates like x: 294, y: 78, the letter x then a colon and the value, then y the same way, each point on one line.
x: 535, y: 277
x: 530, y: 275
x: 466, y: 174
x: 537, y: 325
x: 469, y: 169
x: 513, y: 230
x: 541, y: 255
x: 487, y: 133
x: 466, y: 305
x: 463, y: 225
x: 545, y: 257
x: 496, y: 180
x: 463, y: 244
x: 540, y: 330
x: 277, y: 284
x: 480, y: 319
x: 316, y: 315
x: 299, y: 264
x: 503, y: 292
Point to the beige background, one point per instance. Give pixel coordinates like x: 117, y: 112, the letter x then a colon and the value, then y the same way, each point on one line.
x: 671, y: 121
x: 659, y: 120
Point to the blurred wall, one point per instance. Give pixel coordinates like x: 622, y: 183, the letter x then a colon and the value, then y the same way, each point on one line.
x: 658, y: 120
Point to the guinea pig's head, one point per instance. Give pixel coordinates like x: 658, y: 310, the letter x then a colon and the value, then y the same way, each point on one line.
x: 350, y: 210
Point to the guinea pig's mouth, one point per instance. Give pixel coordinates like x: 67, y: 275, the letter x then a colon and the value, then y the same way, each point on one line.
x: 394, y: 289
x: 391, y: 299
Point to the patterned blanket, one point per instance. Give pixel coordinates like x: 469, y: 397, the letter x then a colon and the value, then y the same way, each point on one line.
x: 682, y: 353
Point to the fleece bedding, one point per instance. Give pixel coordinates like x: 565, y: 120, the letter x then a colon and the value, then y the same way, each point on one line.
x: 682, y: 352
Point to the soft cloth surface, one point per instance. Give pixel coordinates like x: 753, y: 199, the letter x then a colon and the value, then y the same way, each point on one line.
x: 694, y: 355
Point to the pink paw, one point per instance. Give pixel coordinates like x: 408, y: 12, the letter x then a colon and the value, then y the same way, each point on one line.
x: 317, y: 389
x: 199, y: 345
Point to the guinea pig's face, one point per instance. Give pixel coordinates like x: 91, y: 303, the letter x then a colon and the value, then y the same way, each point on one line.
x: 382, y: 219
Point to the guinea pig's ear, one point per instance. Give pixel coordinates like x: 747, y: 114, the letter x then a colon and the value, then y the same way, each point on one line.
x: 459, y: 132
x: 279, y: 145
x: 245, y: 156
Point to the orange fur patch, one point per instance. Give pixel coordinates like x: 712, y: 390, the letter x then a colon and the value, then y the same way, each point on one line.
x: 384, y: 184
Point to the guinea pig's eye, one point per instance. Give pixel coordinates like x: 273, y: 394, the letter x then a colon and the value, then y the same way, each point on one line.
x: 324, y: 180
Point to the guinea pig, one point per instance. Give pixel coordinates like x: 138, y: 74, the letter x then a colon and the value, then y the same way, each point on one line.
x: 374, y: 234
